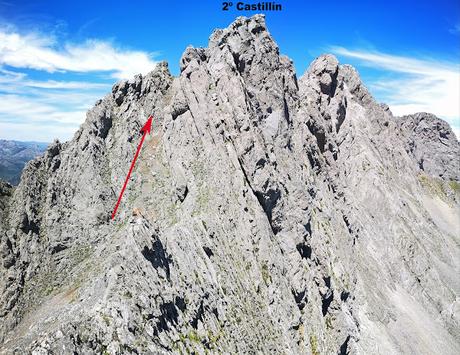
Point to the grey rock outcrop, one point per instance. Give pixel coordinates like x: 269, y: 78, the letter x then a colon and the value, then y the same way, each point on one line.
x: 265, y: 215
x: 432, y: 144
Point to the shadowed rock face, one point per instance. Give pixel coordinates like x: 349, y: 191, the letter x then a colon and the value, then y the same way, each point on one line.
x: 266, y: 214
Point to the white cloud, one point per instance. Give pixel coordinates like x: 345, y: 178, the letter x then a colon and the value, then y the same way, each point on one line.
x: 36, y: 111
x: 50, y: 109
x: 13, y: 81
x: 421, y: 85
x: 53, y: 84
x: 40, y: 52
x: 24, y: 131
x: 46, y: 106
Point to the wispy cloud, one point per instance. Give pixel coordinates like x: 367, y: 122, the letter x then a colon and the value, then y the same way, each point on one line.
x: 40, y: 52
x: 36, y: 111
x: 52, y: 110
x: 47, y: 108
x: 427, y: 85
x: 13, y: 80
x: 455, y: 30
x: 42, y: 110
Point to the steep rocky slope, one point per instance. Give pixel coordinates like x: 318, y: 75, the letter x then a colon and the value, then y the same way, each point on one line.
x: 266, y: 215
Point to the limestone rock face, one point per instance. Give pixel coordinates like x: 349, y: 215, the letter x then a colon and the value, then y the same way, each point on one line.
x: 266, y: 214
x: 432, y: 144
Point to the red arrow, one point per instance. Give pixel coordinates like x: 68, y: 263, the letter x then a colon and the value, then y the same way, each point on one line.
x: 146, y: 129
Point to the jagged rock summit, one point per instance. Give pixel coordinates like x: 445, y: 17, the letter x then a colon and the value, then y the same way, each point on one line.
x: 266, y: 215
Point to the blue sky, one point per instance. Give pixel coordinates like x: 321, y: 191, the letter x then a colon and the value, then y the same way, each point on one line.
x: 58, y: 57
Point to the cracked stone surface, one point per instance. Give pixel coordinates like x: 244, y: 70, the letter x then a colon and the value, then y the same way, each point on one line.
x: 266, y: 214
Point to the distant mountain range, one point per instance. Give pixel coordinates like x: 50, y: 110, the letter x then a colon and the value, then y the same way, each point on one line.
x: 14, y: 155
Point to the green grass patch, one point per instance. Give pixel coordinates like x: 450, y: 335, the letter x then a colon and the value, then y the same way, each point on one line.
x: 455, y: 186
x: 314, y: 345
x: 266, y: 274
x: 433, y: 185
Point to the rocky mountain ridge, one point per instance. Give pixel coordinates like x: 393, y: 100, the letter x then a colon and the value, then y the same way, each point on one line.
x: 268, y: 214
